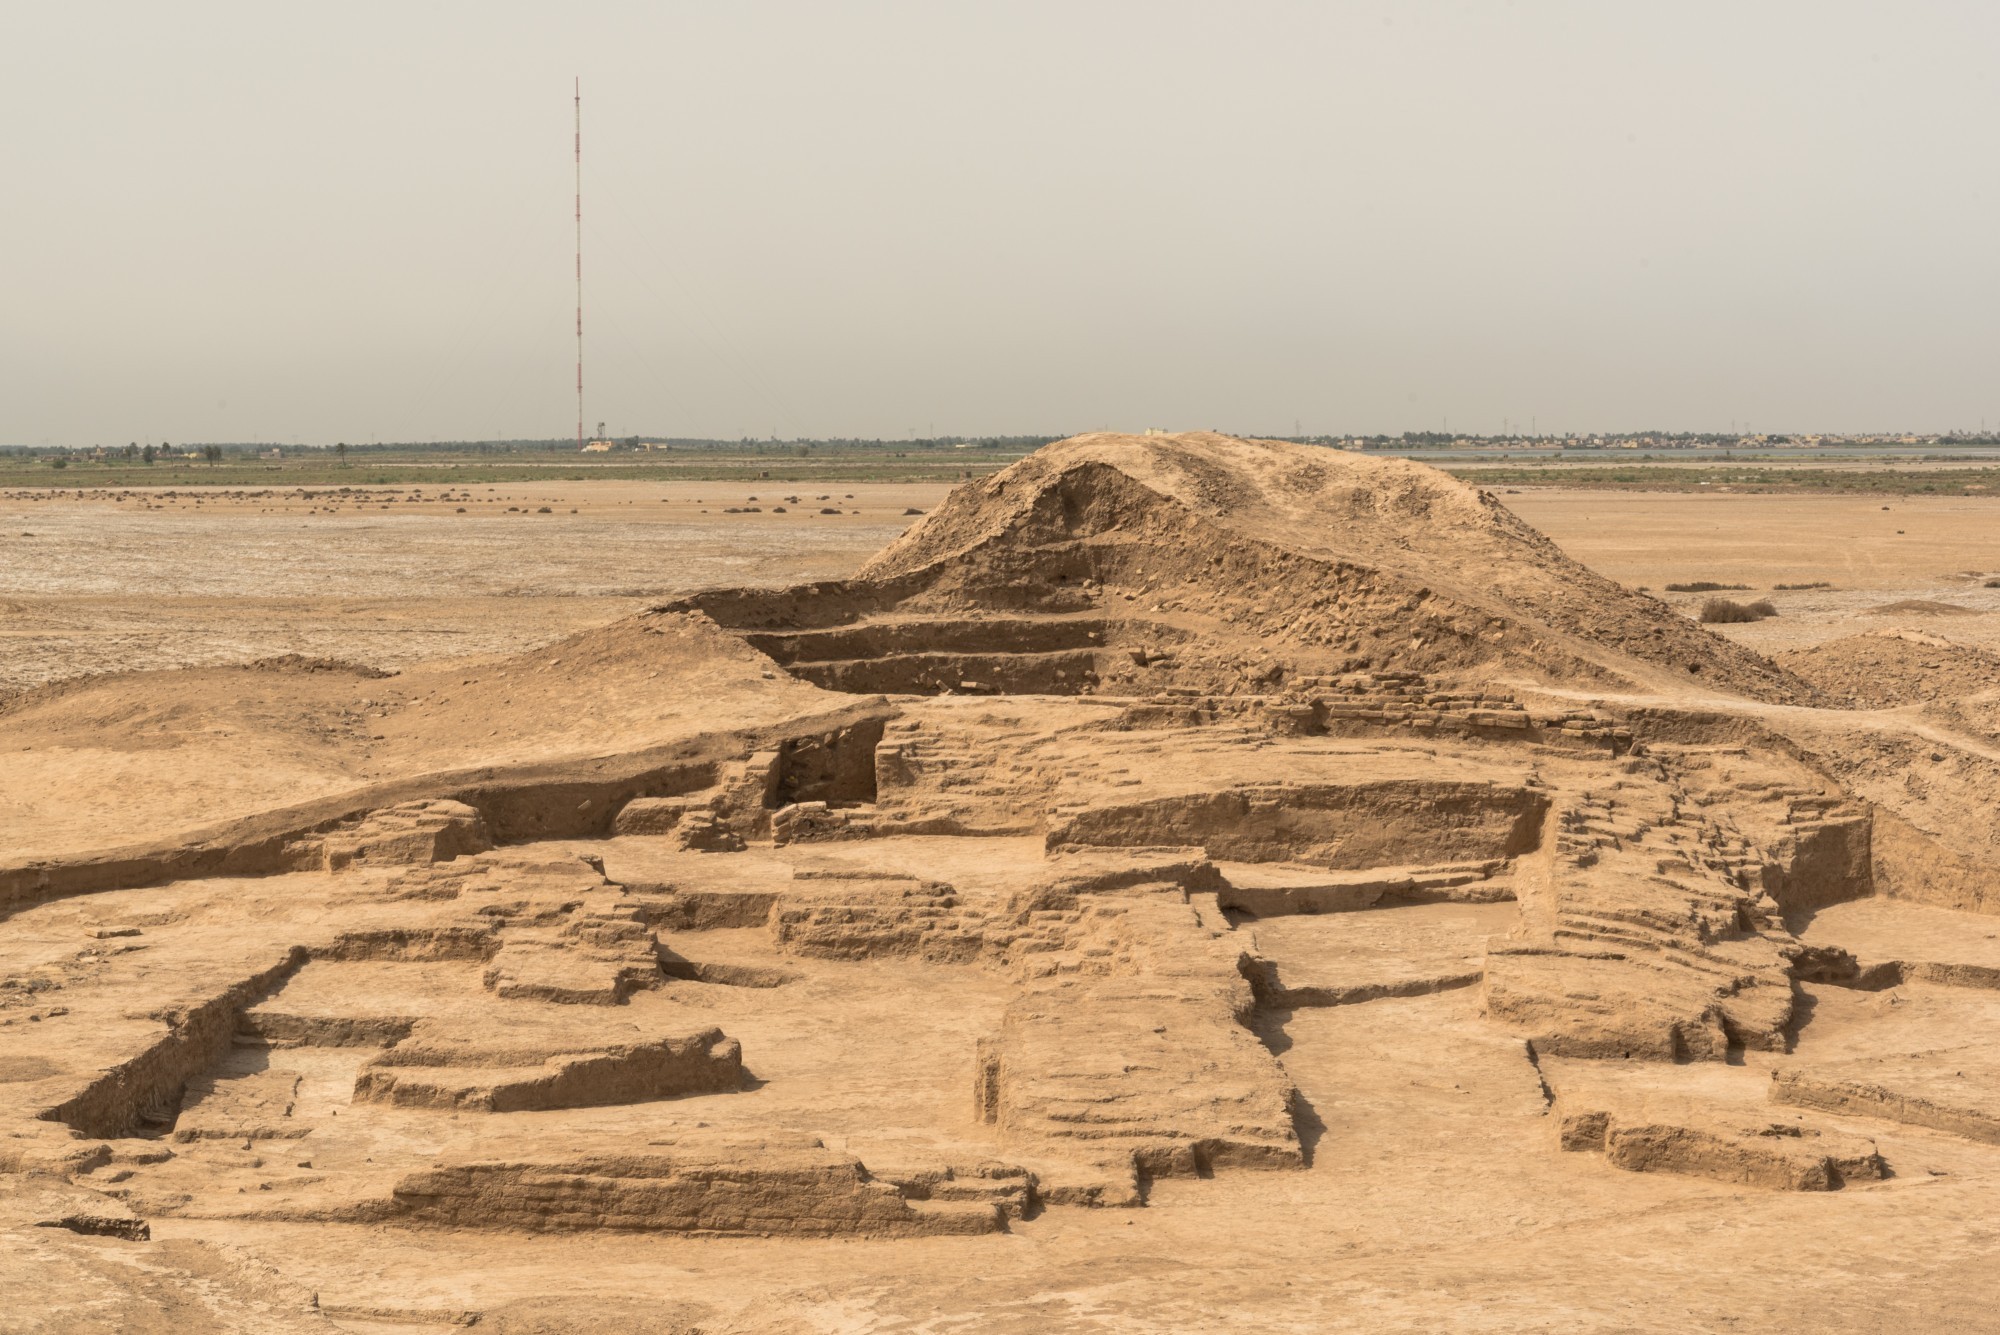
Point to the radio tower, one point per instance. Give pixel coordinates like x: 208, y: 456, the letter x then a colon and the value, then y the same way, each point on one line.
x: 579, y: 262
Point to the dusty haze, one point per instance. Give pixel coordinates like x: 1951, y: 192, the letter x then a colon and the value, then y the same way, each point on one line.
x: 232, y: 222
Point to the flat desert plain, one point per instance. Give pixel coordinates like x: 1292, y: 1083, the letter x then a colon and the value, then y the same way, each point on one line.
x: 1873, y: 553
x: 94, y: 581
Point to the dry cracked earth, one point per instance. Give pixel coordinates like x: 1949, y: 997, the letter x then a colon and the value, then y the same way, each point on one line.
x: 1183, y: 883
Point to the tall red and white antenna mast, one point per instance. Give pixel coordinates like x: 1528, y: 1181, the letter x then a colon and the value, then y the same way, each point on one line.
x: 579, y: 262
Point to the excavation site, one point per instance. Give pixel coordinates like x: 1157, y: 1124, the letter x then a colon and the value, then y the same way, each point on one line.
x: 1180, y: 883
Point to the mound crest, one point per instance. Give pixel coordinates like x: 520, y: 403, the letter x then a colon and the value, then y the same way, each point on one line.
x: 1199, y: 561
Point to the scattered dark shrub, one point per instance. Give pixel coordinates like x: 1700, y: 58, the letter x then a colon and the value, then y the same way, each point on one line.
x: 1718, y: 610
x: 1816, y: 584
x: 1704, y: 586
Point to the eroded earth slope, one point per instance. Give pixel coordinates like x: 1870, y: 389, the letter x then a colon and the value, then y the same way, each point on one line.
x: 1183, y: 882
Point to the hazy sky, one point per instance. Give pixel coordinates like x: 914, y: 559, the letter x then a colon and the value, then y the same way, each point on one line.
x: 353, y: 221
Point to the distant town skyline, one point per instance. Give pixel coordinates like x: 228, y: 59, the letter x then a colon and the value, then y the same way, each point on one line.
x: 230, y: 222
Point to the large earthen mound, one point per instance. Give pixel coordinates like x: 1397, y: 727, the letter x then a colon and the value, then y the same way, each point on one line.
x: 1211, y: 562
x: 1204, y: 837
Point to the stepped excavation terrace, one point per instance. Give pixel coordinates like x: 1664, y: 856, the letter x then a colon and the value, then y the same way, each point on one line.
x: 1182, y: 881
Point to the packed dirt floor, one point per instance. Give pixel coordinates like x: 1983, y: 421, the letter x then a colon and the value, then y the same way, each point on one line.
x: 1176, y: 883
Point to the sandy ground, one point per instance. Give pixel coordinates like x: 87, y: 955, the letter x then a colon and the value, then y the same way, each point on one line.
x: 1431, y: 1196
x: 1874, y: 553
x: 93, y: 583
x: 1443, y: 1211
x: 1854, y: 542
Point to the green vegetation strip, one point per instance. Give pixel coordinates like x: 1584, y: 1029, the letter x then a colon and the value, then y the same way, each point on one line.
x: 1919, y: 480
x: 433, y: 467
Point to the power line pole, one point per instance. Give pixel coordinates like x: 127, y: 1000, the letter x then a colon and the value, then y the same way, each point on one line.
x: 579, y: 262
